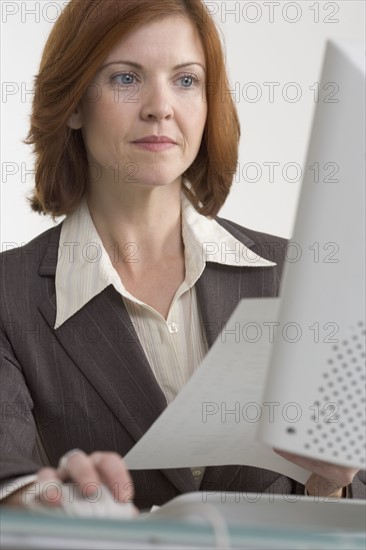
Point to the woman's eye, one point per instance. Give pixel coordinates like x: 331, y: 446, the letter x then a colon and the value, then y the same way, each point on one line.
x: 188, y: 81
x: 128, y: 79
x: 125, y: 79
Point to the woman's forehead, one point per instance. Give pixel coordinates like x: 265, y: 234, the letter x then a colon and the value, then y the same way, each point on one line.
x: 163, y: 39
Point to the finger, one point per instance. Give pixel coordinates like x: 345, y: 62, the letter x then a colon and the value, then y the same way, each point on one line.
x: 115, y: 475
x: 62, y: 468
x: 303, y: 461
x: 283, y: 453
x: 286, y: 454
x: 339, y: 476
x: 49, y: 487
x: 80, y: 469
x: 320, y: 486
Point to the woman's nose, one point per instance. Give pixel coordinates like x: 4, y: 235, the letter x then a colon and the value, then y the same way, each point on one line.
x: 156, y: 103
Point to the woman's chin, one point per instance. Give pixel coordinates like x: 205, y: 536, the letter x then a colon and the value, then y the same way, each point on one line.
x: 156, y: 181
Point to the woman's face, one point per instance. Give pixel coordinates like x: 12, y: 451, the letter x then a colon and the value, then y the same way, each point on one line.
x: 151, y: 84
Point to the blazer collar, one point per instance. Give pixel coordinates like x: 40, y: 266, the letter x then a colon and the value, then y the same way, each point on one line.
x: 48, y: 263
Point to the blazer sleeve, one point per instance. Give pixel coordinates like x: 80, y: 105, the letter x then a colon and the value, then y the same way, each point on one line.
x: 18, y: 431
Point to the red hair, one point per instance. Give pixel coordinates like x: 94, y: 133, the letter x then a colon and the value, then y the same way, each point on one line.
x: 80, y: 40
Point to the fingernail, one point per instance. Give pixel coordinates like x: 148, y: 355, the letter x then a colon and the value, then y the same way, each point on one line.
x: 53, y: 495
x: 92, y: 491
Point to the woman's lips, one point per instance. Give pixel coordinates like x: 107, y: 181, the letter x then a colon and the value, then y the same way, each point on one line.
x: 155, y: 143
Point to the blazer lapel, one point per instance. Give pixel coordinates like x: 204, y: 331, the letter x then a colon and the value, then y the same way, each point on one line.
x: 103, y: 344
x: 102, y: 341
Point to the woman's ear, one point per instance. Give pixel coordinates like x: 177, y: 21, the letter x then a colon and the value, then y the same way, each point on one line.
x: 75, y: 121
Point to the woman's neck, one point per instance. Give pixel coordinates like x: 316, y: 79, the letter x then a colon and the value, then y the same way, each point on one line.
x: 140, y: 224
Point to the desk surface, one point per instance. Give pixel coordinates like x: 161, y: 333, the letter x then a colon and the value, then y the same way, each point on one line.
x: 23, y: 530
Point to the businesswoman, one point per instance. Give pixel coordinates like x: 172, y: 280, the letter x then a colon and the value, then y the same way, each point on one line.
x: 109, y: 313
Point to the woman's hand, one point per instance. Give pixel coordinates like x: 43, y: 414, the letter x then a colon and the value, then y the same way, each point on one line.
x: 327, y: 479
x: 88, y: 472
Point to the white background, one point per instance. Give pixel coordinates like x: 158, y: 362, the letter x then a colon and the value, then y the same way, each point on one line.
x: 277, y: 42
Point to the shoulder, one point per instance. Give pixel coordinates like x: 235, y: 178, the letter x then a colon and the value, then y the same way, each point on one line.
x: 270, y: 247
x: 27, y: 258
x: 23, y: 283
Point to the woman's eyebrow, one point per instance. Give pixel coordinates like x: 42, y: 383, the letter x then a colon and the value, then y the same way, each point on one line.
x: 138, y: 66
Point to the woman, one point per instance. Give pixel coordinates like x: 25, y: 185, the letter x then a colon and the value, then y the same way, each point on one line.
x: 120, y: 302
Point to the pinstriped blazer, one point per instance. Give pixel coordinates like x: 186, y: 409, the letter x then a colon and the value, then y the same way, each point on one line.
x: 89, y: 385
